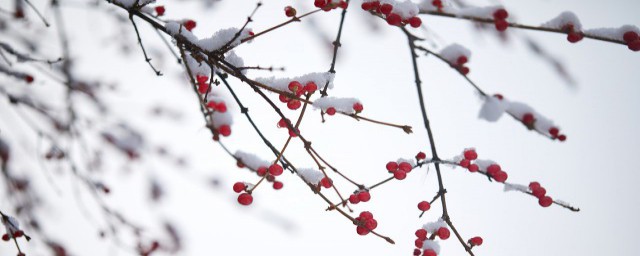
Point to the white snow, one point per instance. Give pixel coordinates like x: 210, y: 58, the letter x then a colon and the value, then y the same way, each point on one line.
x: 175, y: 28
x: 11, y: 225
x: 282, y: 84
x: 220, y: 119
x: 427, y: 5
x: 130, y: 3
x: 432, y: 227
x: 311, y: 175
x: 612, y: 33
x: 452, y: 52
x: 492, y: 109
x: 406, y: 9
x: 250, y: 160
x: 515, y: 187
x: 483, y: 164
x: 235, y: 60
x: 197, y: 68
x: 479, y: 12
x: 340, y: 104
x: 562, y: 20
x: 430, y: 244
x: 412, y: 161
x: 221, y: 38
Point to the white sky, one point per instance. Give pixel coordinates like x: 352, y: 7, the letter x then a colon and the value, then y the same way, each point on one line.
x: 593, y: 170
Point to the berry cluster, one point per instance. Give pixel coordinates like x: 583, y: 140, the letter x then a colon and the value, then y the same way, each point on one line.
x: 459, y: 64
x: 633, y: 40
x: 298, y: 89
x: 573, y: 35
x: 328, y: 5
x: 399, y: 169
x: 359, y: 196
x: 500, y: 19
x: 538, y: 191
x: 286, y: 123
x: 393, y: 18
x: 491, y: 169
x: 217, y: 106
x: 365, y: 223
x: 529, y: 120
x: 203, y: 84
x: 357, y: 107
x: 425, y: 245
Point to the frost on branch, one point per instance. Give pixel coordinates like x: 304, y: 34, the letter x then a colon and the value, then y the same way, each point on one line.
x: 198, y: 68
x: 452, y: 52
x: 282, y: 84
x: 613, y: 33
x: 250, y: 160
x: 223, y: 37
x: 176, y: 28
x: 562, y: 20
x: 311, y: 176
x: 432, y: 227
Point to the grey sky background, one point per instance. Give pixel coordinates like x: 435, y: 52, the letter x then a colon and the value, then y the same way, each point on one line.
x: 594, y: 169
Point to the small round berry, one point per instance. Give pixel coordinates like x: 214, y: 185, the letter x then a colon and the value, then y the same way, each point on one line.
x: 634, y: 45
x: 392, y: 166
x: 364, y: 196
x: 289, y: 11
x: 240, y: 164
x: 262, y: 171
x: 528, y: 119
x: 366, y: 215
x: 493, y: 169
x: 294, y: 104
x: 424, y: 206
x: 294, y: 86
x: 189, y: 24
x: 405, y: 167
x: 539, y: 192
x: 462, y: 60
x: 562, y: 137
x: 500, y: 176
x: 320, y: 3
x: 400, y: 175
x: 464, y: 70
x: 275, y: 170
x: 416, y: 252
x: 358, y: 107
x: 284, y: 98
x: 630, y: 36
x: 554, y: 131
x: 476, y: 241
x: 331, y: 111
x: 278, y: 185
x: 473, y: 168
x: 498, y: 96
x: 421, y: 156
x: 534, y: 184
x: 282, y: 123
x: 465, y: 163
x: 394, y: 19
x: 367, y: 6
x: 545, y: 201
x: 574, y: 37
x: 311, y: 87
x: 225, y: 130
x: 160, y: 10
x: 326, y: 182
x: 362, y: 230
x: 501, y: 25
x: 353, y: 199
x: 415, y: 22
x: 203, y: 88
x: 421, y: 233
x: 443, y: 233
x: 386, y: 9
x: 221, y: 107
x: 28, y: 79
x: 18, y: 233
x: 5, y: 237
x: 343, y: 4
x: 239, y: 187
x: 270, y: 178
x: 371, y: 224
x: 245, y: 199
x: 418, y: 243
x: 500, y: 14
x: 429, y: 252
x: 470, y: 154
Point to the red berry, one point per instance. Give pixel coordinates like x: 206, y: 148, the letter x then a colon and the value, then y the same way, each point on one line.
x: 282, y: 123
x: 392, y: 166
x: 367, y: 6
x: 630, y: 36
x: 366, y: 215
x: 500, y: 176
x: 539, y: 192
x: 501, y: 25
x: 443, y: 233
x: 416, y: 252
x: 310, y: 87
x: 386, y: 9
x: 330, y: 111
x: 465, y: 163
x: 239, y: 187
x: 437, y: 3
x: 160, y: 10
x: 284, y: 98
x: 415, y: 22
x: 364, y: 196
x: 528, y: 119
x: 404, y: 166
x: 400, y: 175
x: 326, y: 182
x: 240, y: 164
x: 429, y: 252
x: 498, y: 96
x: 394, y: 19
x: 245, y: 199
x: 292, y: 133
x: 278, y: 185
x: 28, y: 79
x: 203, y: 88
x: 289, y: 11
x: 189, y: 24
x: 221, y: 107
x: 493, y: 169
x: 562, y: 137
x: 476, y: 241
x: 353, y: 199
x: 464, y: 70
x: 419, y: 243
x: 421, y: 156
x: 18, y: 233
x: 634, y: 45
x: 534, y: 184
x: 225, y: 130
x: 421, y: 233
x: 500, y: 14
x: 5, y: 237
x: 462, y: 60
x: 362, y: 230
x: 358, y: 107
x: 371, y: 224
x: 294, y: 104
x: 262, y: 171
x: 270, y: 178
x: 470, y: 154
x: 275, y: 170
x: 554, y: 131
x: 343, y: 4
x: 294, y: 86
x: 545, y: 201
x: 473, y: 168
x: 574, y: 37
x: 424, y: 206
x: 320, y: 3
